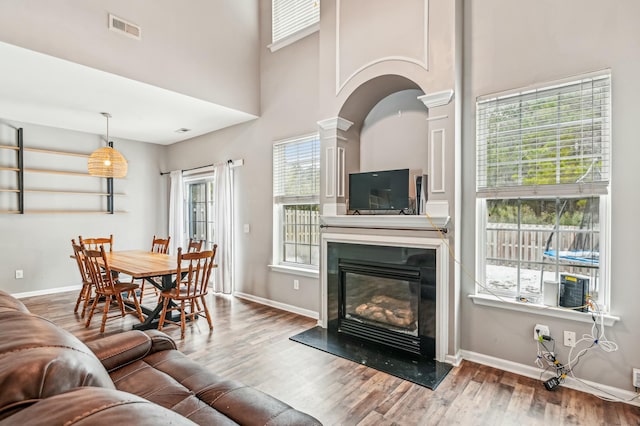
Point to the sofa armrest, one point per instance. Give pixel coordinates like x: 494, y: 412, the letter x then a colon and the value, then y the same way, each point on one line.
x: 160, y: 341
x: 121, y: 349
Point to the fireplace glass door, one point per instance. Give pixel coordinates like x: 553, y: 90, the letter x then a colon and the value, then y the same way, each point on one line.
x: 380, y: 301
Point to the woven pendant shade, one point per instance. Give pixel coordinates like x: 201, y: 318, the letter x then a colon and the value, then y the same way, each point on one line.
x: 107, y: 162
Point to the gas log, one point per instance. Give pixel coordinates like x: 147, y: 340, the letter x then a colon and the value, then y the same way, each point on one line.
x: 388, y: 310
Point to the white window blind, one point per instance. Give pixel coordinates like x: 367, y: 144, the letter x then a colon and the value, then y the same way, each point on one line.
x: 549, y: 140
x: 296, y: 171
x: 292, y: 16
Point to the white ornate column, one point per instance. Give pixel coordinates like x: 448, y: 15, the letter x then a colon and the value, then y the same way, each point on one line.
x: 444, y: 194
x: 437, y: 104
x: 333, y: 146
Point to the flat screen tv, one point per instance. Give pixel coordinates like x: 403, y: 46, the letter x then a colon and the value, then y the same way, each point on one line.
x: 383, y: 190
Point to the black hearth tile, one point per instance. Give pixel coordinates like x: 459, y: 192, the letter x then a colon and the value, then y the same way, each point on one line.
x: 420, y: 370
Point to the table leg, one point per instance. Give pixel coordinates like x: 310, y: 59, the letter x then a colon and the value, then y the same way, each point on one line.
x: 153, y: 316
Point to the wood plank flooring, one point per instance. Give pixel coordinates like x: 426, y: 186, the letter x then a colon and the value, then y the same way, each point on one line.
x: 250, y: 343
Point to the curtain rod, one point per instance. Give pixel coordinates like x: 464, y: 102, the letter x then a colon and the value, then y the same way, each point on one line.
x: 232, y: 164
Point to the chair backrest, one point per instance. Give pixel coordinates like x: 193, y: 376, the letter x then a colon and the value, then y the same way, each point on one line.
x: 194, y: 245
x: 79, y: 256
x: 160, y: 245
x: 99, y: 271
x: 196, y: 268
x: 95, y: 243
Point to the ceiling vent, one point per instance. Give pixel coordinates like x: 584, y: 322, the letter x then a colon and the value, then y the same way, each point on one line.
x: 121, y: 26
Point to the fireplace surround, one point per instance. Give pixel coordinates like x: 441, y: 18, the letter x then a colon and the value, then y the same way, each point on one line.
x: 400, y: 276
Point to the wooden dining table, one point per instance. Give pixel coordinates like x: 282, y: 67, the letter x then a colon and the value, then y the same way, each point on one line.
x: 141, y: 264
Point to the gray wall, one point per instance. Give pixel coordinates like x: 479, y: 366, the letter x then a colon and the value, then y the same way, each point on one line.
x: 394, y: 134
x: 511, y: 44
x: 40, y: 244
x: 184, y: 48
x: 288, y: 93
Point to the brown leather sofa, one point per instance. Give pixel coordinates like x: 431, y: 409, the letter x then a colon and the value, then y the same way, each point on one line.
x: 49, y: 377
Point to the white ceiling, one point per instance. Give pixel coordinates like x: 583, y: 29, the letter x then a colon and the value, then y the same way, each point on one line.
x: 41, y: 89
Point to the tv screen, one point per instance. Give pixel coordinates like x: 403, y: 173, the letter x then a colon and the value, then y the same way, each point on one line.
x: 383, y: 190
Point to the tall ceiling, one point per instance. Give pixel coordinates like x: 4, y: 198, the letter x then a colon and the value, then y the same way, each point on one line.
x: 41, y: 89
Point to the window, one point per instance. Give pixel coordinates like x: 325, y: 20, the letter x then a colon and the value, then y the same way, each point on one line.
x: 542, y: 176
x: 292, y: 20
x: 296, y: 189
x: 199, y: 208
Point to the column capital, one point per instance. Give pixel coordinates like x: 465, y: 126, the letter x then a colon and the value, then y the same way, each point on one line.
x: 437, y: 99
x: 334, y: 123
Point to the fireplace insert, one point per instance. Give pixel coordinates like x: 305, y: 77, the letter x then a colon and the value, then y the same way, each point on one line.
x: 387, y: 299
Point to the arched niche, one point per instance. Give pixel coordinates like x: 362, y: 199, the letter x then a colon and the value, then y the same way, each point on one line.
x: 363, y: 99
x: 370, y: 132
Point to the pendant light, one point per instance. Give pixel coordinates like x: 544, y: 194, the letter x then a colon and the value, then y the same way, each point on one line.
x: 106, y: 161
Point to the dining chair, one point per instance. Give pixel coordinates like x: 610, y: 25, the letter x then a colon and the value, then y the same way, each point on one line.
x: 87, y: 285
x: 159, y: 245
x: 195, y: 271
x: 95, y: 243
x: 106, y: 288
x: 194, y: 245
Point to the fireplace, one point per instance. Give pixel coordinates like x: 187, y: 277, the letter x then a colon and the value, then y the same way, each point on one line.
x: 384, y: 301
x: 385, y: 295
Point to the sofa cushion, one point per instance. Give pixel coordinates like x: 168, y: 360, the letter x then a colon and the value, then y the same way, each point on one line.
x: 39, y: 359
x: 172, y: 380
x: 95, y: 406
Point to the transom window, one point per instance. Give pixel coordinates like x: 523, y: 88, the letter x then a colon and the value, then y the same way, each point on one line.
x: 542, y: 176
x: 292, y: 20
x: 296, y: 189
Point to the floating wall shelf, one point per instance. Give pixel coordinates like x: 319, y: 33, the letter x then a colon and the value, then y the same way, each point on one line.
x: 20, y: 189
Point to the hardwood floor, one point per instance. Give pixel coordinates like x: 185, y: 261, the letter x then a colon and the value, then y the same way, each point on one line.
x: 250, y: 343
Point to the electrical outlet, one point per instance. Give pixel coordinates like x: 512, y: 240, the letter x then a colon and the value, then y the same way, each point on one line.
x: 19, y: 274
x: 540, y: 330
x: 636, y: 377
x: 569, y: 338
x: 296, y: 284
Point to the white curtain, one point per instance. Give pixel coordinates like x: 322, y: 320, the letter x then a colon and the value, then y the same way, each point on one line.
x: 223, y: 228
x: 176, y: 212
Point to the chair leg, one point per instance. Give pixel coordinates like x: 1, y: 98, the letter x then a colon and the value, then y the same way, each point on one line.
x: 81, y: 295
x: 183, y: 319
x: 165, y: 304
x: 105, y: 314
x: 91, y: 311
x: 87, y: 299
x: 137, y: 304
x: 120, y: 303
x: 206, y: 312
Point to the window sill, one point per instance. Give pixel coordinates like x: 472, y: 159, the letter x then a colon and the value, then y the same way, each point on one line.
x: 557, y: 312
x: 293, y: 270
x: 294, y: 37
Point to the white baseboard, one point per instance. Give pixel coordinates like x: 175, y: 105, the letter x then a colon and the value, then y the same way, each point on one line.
x: 597, y: 389
x: 454, y: 360
x: 46, y: 291
x: 278, y: 305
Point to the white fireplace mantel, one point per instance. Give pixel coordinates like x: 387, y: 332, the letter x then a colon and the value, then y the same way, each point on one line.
x: 437, y: 217
x: 412, y: 222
